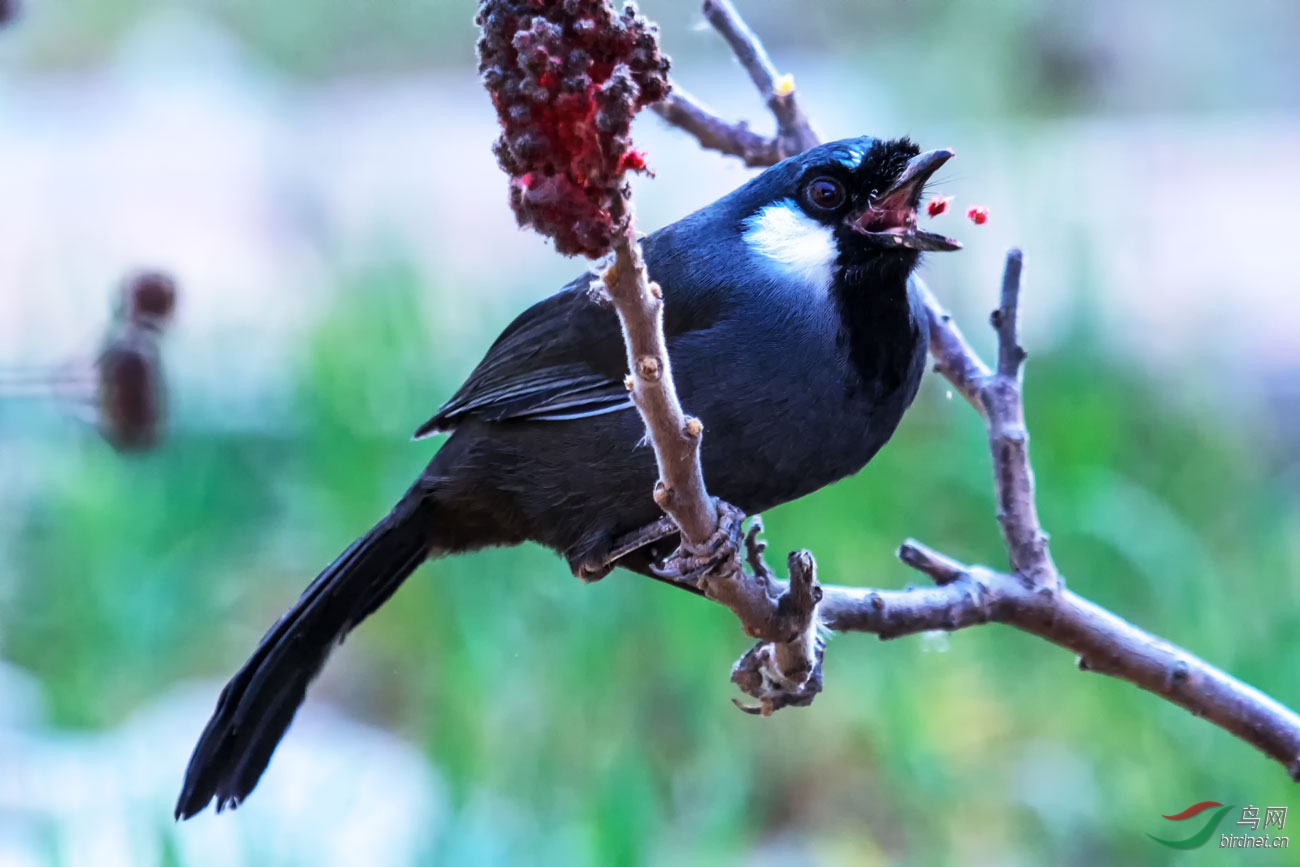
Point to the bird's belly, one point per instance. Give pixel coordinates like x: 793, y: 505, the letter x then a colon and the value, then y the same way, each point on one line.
x: 776, y: 451
x: 799, y: 417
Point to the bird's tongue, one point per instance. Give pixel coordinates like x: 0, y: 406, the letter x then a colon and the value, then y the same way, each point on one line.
x: 894, y: 211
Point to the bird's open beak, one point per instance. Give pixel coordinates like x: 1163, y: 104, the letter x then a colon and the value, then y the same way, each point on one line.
x: 890, y: 218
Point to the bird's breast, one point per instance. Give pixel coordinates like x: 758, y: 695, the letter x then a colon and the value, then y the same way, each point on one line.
x: 785, y: 408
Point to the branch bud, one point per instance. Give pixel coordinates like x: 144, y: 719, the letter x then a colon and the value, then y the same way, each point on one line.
x: 663, y: 495
x: 649, y: 368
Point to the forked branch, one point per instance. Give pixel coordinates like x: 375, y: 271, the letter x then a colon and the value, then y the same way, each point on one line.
x: 785, y: 667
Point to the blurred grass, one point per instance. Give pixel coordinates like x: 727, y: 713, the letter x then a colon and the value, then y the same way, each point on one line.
x: 601, y: 713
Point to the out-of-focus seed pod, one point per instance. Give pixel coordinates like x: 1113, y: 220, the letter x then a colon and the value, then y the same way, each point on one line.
x: 124, y: 384
x: 132, y: 396
x: 132, y: 393
x: 149, y: 298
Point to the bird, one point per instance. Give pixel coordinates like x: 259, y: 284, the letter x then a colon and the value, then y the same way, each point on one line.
x: 795, y: 335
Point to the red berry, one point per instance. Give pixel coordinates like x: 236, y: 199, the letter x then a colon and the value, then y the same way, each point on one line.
x: 132, y: 401
x: 938, y: 205
x: 633, y: 161
x: 978, y: 215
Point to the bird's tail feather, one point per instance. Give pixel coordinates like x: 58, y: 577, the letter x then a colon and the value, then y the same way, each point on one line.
x: 259, y: 702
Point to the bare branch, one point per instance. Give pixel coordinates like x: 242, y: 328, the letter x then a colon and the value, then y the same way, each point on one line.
x: 714, y: 133
x: 1013, y: 476
x: 964, y: 601
x: 953, y: 357
x: 1103, y: 642
x: 1006, y: 318
x: 793, y: 131
x: 942, y: 570
x: 1032, y: 597
x: 680, y: 490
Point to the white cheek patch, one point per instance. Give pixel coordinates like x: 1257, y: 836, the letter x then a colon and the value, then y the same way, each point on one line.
x: 802, y: 247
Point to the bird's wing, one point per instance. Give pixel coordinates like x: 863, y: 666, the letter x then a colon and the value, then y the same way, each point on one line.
x: 562, y: 359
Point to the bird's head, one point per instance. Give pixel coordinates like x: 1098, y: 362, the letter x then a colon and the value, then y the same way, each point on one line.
x: 844, y: 207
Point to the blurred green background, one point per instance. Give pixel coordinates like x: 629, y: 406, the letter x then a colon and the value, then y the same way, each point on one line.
x: 319, y: 180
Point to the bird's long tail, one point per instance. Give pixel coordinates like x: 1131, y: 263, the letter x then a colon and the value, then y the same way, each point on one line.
x: 258, y: 704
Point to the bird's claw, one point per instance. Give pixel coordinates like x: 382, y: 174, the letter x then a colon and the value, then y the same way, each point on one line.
x: 717, y: 557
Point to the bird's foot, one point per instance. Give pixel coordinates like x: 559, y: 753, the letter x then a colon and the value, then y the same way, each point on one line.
x: 647, y: 535
x: 717, y: 557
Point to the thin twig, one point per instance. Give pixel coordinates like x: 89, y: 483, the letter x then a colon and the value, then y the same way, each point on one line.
x: 793, y: 131
x: 942, y: 570
x: 714, y: 133
x: 1006, y: 318
x: 1013, y: 475
x: 953, y: 357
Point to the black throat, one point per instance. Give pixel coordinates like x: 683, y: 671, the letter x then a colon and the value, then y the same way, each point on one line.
x: 878, y: 324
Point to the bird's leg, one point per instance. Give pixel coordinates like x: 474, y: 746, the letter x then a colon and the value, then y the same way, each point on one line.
x: 629, y: 542
x: 598, y: 563
x: 719, y: 555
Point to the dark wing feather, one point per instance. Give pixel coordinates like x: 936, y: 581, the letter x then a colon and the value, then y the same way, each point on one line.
x: 564, y: 390
x: 562, y: 358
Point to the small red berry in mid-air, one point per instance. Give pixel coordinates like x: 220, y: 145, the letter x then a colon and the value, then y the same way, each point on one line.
x: 978, y: 215
x: 632, y: 160
x: 938, y: 205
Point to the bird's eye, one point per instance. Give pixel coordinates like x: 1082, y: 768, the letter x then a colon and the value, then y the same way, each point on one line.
x: 824, y: 194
